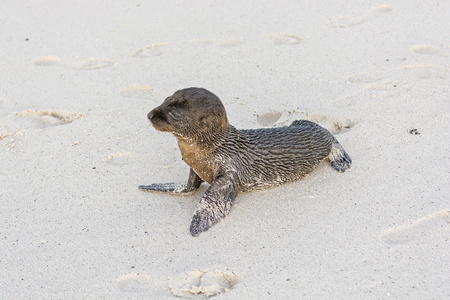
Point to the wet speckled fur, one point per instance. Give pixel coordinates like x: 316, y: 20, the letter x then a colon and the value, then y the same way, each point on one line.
x: 234, y: 161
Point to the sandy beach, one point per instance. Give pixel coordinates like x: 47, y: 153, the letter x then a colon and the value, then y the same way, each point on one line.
x: 78, y: 78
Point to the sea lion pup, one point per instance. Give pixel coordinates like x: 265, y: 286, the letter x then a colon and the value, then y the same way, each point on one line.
x: 234, y: 161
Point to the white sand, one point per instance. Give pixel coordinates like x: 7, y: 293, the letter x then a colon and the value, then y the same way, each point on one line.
x: 78, y: 78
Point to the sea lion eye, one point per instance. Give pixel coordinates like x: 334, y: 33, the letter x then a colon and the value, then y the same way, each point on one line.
x: 174, y: 115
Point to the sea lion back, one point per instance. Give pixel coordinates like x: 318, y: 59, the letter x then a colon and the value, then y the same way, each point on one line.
x: 273, y: 156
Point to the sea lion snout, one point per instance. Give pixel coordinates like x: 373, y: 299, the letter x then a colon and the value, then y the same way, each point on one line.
x: 158, y: 119
x: 154, y: 115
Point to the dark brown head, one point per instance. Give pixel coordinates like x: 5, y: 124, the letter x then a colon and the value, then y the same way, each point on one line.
x: 192, y: 113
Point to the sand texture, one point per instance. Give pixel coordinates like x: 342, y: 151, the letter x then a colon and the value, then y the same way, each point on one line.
x: 77, y: 79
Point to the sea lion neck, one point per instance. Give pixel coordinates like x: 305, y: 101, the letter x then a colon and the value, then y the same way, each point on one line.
x: 208, y: 139
x: 198, y: 151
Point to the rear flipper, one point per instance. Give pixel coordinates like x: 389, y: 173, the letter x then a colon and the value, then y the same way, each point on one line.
x: 192, y: 185
x: 339, y: 159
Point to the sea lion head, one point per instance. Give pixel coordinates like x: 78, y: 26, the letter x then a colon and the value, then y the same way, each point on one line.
x: 192, y: 113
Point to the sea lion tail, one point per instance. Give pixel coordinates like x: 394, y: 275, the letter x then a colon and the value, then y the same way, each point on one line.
x: 339, y: 159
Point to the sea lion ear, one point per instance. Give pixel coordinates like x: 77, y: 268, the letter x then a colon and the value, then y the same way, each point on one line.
x: 204, y: 120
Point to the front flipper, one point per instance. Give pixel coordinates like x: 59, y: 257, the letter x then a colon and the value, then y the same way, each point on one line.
x: 215, y: 204
x: 192, y: 185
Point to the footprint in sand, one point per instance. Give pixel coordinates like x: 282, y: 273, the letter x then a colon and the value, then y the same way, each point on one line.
x: 365, y: 77
x: 231, y: 42
x: 413, y: 71
x: 434, y: 223
x: 203, y: 42
x: 386, y: 81
x: 375, y: 88
x: 277, y: 119
x: 268, y: 119
x: 142, y: 283
x: 137, y: 91
x: 202, y: 283
x: 91, y: 63
x: 150, y: 50
x: 286, y: 39
x: 122, y: 158
x: 343, y: 22
x: 12, y: 124
x: 157, y: 49
x: 425, y: 49
x: 47, y: 61
x: 192, y: 284
x: 47, y: 118
x: 334, y: 124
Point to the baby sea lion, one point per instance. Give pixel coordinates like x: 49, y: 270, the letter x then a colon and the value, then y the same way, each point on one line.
x: 232, y: 160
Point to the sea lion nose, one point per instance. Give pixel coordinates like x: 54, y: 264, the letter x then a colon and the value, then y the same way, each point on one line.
x: 150, y: 115
x: 156, y: 115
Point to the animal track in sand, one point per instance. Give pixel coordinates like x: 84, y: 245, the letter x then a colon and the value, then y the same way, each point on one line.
x: 192, y: 284
x: 141, y: 283
x: 425, y: 49
x: 49, y: 60
x: 91, y: 63
x: 286, y: 39
x: 157, y: 49
x: 387, y: 81
x: 205, y: 42
x: 268, y: 119
x: 137, y: 91
x: 333, y: 124
x: 122, y: 158
x: 12, y: 124
x: 150, y: 50
x: 47, y: 118
x: 416, y: 71
x: 343, y: 22
x: 429, y: 224
x: 386, y: 87
x: 202, y: 283
x: 277, y: 119
x: 231, y: 42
